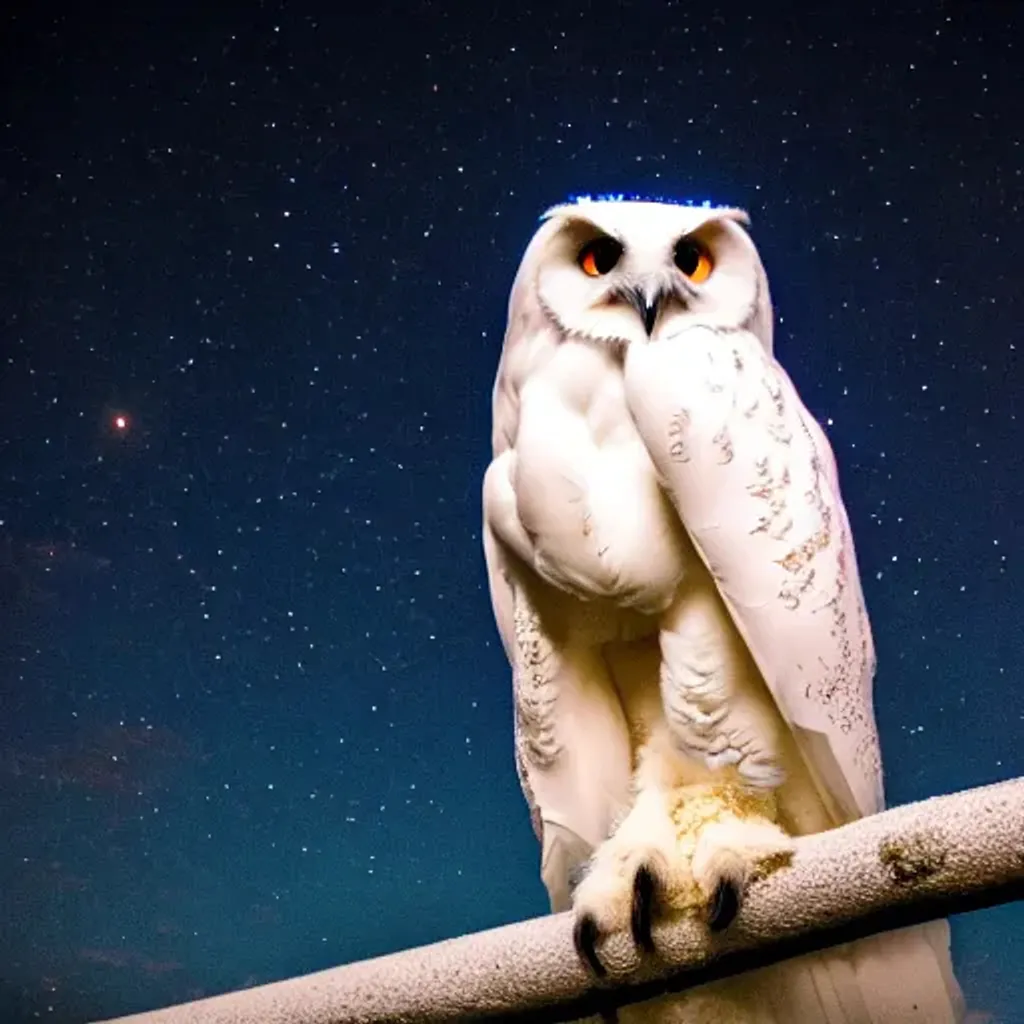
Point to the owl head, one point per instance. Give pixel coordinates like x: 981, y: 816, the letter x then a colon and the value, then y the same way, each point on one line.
x: 631, y: 272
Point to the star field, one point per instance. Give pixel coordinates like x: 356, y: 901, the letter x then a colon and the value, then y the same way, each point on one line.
x: 255, y: 719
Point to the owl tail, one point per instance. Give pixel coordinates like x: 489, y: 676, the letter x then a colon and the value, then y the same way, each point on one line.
x: 901, y: 977
x: 907, y: 975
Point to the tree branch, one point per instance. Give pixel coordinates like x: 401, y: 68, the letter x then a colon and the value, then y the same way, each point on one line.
x: 907, y: 865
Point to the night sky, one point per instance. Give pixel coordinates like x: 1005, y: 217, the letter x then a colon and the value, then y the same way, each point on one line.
x: 256, y: 719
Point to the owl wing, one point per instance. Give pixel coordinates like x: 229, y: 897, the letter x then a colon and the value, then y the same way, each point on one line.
x: 754, y: 482
x: 572, y: 748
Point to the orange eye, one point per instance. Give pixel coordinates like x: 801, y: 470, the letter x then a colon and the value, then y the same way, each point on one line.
x: 599, y: 257
x: 693, y: 260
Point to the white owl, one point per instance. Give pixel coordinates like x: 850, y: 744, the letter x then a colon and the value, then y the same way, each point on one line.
x: 675, y: 584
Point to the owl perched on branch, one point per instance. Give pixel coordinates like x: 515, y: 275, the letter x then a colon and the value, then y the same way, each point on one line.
x: 674, y: 580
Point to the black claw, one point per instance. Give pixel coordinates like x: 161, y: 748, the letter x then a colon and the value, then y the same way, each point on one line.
x: 725, y: 905
x: 645, y: 895
x: 584, y: 938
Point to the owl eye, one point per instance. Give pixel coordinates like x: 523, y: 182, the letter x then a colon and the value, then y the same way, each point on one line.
x: 693, y: 260
x: 598, y: 257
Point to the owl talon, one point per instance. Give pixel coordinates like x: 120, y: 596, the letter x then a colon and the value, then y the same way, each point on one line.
x: 585, y: 934
x: 645, y: 896
x: 725, y: 905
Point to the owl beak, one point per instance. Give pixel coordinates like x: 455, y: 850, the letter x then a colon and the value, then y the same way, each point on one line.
x: 647, y: 304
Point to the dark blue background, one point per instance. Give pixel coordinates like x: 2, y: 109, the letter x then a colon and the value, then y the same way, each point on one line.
x: 255, y: 718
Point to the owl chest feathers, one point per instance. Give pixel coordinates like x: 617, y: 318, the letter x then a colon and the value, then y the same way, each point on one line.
x: 583, y: 489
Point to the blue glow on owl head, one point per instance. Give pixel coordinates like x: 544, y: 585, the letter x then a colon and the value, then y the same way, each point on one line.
x: 630, y: 197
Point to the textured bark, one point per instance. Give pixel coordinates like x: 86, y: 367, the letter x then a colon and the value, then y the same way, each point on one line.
x: 909, y: 864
